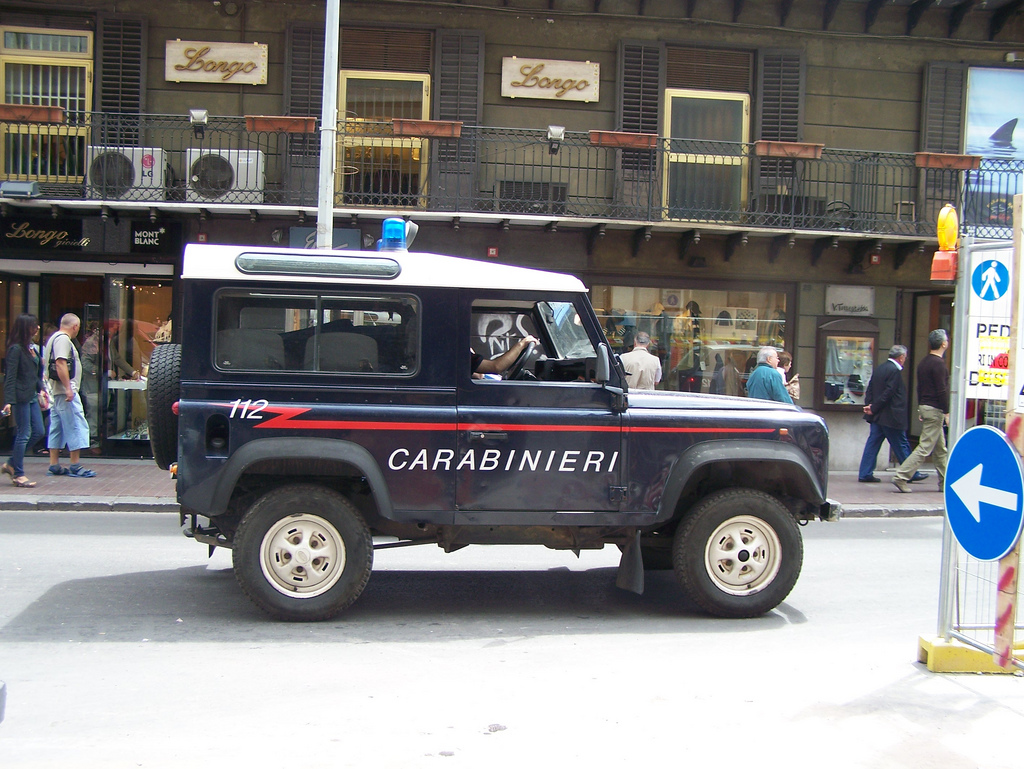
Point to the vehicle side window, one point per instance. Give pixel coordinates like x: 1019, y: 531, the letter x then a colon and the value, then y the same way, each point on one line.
x: 564, y: 352
x: 352, y: 334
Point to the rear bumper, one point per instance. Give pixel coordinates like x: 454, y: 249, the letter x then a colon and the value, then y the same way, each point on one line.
x: 830, y: 510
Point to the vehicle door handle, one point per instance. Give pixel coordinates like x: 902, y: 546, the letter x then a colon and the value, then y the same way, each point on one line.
x: 480, y: 435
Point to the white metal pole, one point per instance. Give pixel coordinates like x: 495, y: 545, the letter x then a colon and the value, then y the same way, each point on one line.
x: 328, y: 128
x: 957, y: 416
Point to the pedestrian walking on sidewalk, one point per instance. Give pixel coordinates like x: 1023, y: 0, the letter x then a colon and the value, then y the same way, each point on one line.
x: 932, y: 410
x: 68, y: 426
x: 885, y: 410
x: 25, y: 396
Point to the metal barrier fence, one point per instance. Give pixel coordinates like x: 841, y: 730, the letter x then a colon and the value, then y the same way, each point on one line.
x: 591, y: 175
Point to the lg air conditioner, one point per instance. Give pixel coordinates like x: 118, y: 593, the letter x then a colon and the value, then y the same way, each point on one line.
x: 225, y: 176
x: 125, y: 173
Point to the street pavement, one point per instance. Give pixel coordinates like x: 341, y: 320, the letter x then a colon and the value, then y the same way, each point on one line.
x: 138, y: 485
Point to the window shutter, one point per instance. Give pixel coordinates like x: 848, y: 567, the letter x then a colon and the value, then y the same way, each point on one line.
x: 708, y: 69
x: 780, y: 93
x: 458, y: 95
x: 304, y: 78
x: 121, y: 80
x: 390, y: 50
x: 43, y: 18
x: 943, y: 107
x: 459, y: 72
x: 781, y: 96
x: 640, y: 83
x: 942, y: 120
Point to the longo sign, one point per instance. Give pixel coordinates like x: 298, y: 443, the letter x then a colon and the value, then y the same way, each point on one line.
x: 550, y: 79
x: 188, y: 61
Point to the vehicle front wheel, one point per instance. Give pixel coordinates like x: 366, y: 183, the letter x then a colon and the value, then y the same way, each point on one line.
x: 738, y: 553
x: 302, y: 553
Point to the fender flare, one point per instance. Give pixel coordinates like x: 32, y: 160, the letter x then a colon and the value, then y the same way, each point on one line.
x: 713, y: 452
x: 323, y: 450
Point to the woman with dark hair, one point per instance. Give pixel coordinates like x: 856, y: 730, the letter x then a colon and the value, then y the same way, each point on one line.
x: 23, y: 388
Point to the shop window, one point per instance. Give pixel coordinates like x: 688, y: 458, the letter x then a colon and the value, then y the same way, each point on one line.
x: 846, y: 359
x: 707, y: 339
x: 45, y: 68
x: 355, y: 335
x: 138, y: 318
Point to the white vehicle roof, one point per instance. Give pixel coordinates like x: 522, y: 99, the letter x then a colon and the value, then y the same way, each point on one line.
x: 371, y: 268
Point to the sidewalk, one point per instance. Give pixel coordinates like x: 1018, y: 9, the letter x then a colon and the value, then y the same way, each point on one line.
x: 138, y: 485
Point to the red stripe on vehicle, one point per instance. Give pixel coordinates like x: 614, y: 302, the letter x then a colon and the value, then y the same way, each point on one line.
x: 287, y: 417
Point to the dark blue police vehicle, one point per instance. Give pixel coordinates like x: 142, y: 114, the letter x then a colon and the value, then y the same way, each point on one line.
x: 321, y: 405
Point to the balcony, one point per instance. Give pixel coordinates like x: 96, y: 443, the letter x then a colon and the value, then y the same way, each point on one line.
x: 483, y: 173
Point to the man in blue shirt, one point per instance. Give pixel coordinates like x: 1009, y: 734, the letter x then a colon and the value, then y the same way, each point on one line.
x: 764, y: 381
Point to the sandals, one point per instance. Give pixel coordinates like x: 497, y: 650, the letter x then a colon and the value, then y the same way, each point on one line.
x: 23, y: 483
x: 77, y: 471
x: 7, y: 470
x: 57, y: 470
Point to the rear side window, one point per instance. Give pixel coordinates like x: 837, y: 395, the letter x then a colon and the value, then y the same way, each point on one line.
x: 355, y: 334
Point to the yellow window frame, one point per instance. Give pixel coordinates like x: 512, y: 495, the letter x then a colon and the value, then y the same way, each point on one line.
x: 707, y: 159
x: 361, y: 139
x: 46, y: 152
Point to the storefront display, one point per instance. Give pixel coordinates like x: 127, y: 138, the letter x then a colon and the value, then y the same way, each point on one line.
x: 138, y: 313
x: 846, y: 361
x: 707, y: 339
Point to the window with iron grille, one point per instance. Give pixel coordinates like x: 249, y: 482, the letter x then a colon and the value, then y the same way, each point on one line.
x: 45, y: 68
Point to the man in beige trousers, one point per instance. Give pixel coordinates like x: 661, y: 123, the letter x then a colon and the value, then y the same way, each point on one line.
x: 932, y: 410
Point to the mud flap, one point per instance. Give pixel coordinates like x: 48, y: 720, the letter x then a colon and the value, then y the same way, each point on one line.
x: 630, y: 575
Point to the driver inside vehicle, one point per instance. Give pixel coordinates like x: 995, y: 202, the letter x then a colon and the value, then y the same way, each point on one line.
x: 501, y: 365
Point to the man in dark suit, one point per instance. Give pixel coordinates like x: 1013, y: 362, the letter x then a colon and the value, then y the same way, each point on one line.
x: 885, y: 409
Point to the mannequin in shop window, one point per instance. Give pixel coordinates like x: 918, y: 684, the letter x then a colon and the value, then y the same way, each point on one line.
x: 690, y: 368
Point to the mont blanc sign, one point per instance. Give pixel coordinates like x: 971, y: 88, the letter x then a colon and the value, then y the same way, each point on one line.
x: 189, y: 61
x: 550, y: 79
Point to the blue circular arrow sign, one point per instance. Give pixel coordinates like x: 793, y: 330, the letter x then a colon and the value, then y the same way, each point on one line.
x: 984, y: 493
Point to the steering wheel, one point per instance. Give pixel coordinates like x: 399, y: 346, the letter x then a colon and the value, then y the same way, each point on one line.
x: 518, y: 367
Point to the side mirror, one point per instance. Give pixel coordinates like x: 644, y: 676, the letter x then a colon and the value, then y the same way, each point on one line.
x: 604, y: 364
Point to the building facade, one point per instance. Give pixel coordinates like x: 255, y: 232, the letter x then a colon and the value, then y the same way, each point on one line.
x: 723, y: 175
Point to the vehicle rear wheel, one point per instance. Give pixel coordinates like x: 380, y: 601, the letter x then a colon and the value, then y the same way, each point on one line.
x: 302, y: 553
x: 163, y: 386
x: 738, y: 553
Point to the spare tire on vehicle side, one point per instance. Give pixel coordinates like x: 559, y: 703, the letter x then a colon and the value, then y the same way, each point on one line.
x: 162, y: 391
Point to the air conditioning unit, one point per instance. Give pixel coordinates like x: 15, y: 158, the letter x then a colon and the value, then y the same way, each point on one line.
x: 225, y: 176
x: 125, y: 173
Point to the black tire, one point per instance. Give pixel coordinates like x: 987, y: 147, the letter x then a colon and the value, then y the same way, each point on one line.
x: 302, y: 553
x: 766, y: 538
x: 163, y: 388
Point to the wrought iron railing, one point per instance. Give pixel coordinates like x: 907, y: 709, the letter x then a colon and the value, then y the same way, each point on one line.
x: 597, y: 175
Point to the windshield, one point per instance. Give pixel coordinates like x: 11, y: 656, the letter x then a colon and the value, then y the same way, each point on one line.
x: 566, y: 330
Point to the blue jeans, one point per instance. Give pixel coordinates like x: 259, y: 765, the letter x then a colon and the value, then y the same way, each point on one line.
x: 897, y: 440
x: 30, y: 432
